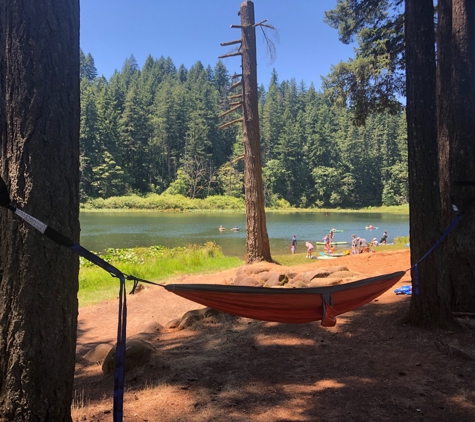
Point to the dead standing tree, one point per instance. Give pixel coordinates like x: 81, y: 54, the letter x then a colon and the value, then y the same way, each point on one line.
x: 257, y: 239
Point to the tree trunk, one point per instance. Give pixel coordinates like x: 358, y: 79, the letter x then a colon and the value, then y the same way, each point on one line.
x: 257, y: 239
x: 430, y: 302
x: 456, y: 39
x: 40, y: 164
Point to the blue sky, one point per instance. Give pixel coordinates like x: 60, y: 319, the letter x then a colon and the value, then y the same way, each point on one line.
x: 192, y: 30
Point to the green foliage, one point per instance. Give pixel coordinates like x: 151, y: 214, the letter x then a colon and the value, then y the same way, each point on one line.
x: 156, y: 264
x: 154, y: 131
x: 223, y: 203
x: 374, y: 80
x: 165, y: 202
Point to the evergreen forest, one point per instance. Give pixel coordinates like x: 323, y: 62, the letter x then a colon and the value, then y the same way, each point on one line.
x: 156, y: 130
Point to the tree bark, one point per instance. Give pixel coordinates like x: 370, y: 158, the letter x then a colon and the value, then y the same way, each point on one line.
x: 257, y: 239
x: 456, y: 40
x: 40, y: 163
x: 430, y: 302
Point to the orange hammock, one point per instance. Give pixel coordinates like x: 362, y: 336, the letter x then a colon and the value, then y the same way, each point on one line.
x: 288, y: 305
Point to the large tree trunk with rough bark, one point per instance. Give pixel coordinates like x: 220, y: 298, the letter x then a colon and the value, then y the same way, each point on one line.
x: 430, y: 302
x: 456, y: 111
x: 257, y: 239
x: 39, y: 59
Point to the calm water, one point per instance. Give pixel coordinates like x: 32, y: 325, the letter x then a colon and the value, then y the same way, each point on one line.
x: 100, y: 231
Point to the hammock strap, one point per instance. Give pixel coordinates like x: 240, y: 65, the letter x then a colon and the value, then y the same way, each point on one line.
x: 328, y: 318
x: 137, y: 280
x: 415, y: 267
x: 121, y: 331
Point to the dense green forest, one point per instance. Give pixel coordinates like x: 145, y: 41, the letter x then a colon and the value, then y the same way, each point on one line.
x: 155, y: 130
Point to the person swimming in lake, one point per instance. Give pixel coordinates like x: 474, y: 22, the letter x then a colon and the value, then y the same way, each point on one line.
x: 221, y: 228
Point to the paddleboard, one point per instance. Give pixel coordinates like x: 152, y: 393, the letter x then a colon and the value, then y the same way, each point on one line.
x: 336, y: 231
x: 326, y: 257
x: 333, y: 243
x: 371, y: 228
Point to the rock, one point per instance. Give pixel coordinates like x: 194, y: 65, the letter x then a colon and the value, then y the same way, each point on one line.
x: 137, y: 353
x: 343, y: 274
x: 191, y: 317
x: 300, y: 283
x: 318, y: 273
x: 246, y: 280
x: 98, y: 353
x: 323, y: 282
x: 336, y: 268
x: 264, y: 276
x: 174, y: 323
x: 276, y: 279
x: 291, y: 274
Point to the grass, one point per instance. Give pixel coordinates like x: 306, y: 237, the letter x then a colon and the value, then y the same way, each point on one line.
x: 159, y: 264
x: 156, y: 264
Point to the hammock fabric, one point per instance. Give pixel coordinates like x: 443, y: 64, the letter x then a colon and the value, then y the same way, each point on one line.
x: 288, y: 305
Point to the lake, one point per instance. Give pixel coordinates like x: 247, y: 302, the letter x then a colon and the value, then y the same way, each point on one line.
x: 102, y: 230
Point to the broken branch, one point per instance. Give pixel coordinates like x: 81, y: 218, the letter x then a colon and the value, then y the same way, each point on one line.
x: 224, y: 44
x: 230, y: 55
x: 230, y: 123
x: 229, y: 111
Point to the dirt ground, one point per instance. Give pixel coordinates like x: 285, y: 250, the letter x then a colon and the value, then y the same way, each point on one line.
x: 369, y: 367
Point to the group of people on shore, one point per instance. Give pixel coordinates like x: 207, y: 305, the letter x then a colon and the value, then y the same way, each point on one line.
x: 360, y: 245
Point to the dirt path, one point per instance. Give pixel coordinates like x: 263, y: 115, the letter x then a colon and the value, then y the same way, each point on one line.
x: 368, y: 367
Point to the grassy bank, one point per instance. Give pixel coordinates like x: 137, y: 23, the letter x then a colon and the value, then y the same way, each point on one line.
x: 179, y: 203
x: 155, y: 264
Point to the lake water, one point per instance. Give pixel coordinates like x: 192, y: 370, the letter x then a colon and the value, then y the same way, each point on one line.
x: 103, y: 230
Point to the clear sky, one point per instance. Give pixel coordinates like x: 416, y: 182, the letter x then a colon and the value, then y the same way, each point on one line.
x: 188, y: 31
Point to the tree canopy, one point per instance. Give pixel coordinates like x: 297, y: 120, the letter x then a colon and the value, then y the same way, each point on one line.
x: 155, y: 129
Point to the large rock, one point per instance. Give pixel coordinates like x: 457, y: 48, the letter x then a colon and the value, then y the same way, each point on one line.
x: 276, y: 279
x: 190, y: 318
x: 322, y: 282
x: 98, y: 353
x: 318, y: 273
x: 246, y: 280
x: 137, y: 353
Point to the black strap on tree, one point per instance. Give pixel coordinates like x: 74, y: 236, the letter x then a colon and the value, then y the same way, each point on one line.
x: 122, y: 323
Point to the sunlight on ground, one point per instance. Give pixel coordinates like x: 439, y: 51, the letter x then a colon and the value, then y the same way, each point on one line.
x: 263, y: 340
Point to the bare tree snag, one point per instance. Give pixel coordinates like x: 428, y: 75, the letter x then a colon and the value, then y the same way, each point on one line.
x: 257, y: 239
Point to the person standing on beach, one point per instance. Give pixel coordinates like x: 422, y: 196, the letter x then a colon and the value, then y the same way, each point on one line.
x: 354, y: 244
x: 293, y: 244
x: 326, y: 243
x: 309, y: 249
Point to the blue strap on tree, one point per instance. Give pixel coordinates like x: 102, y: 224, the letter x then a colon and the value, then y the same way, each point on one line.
x: 415, y: 267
